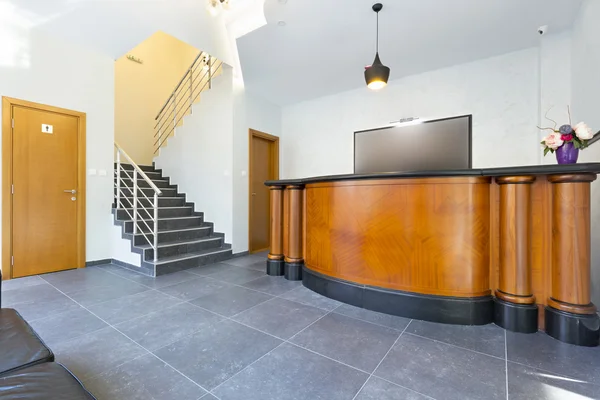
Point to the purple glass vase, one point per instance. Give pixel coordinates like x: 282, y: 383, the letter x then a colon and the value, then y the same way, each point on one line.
x: 567, y: 153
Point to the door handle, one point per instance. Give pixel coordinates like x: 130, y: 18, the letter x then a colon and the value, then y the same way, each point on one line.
x: 253, y: 194
x: 72, y: 191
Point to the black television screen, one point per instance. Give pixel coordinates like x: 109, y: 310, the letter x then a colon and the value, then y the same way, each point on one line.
x: 440, y: 144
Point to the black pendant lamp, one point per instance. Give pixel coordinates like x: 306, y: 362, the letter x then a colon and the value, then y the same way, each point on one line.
x: 377, y: 74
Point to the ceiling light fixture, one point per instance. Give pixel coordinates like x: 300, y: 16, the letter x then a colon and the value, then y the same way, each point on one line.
x: 216, y: 6
x: 377, y: 74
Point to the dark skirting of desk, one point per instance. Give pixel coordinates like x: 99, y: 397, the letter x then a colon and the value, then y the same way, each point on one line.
x: 504, y: 245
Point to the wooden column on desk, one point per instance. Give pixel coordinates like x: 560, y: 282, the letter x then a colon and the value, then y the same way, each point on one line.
x: 275, y: 257
x: 293, y: 224
x: 570, y: 315
x: 514, y: 305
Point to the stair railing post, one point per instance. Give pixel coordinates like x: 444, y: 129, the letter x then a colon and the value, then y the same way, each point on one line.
x: 191, y: 89
x: 174, y: 109
x: 209, y: 73
x: 135, y: 200
x: 155, y: 226
x: 118, y: 173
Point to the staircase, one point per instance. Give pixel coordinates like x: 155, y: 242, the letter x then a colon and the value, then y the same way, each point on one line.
x: 184, y: 239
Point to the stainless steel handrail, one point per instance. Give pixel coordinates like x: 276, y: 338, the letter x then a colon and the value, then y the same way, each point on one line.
x: 135, y: 189
x: 195, y: 80
x: 179, y: 84
x: 178, y: 114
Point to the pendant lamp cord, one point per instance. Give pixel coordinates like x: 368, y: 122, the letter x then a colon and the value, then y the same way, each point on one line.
x: 377, y: 43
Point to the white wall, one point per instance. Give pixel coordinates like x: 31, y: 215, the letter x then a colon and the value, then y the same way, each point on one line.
x: 252, y: 112
x: 501, y: 93
x: 586, y: 107
x: 53, y: 72
x: 555, y: 85
x: 208, y: 156
x: 199, y: 158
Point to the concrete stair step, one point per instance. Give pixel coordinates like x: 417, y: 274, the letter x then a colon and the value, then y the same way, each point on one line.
x: 127, y: 202
x: 160, y: 183
x: 190, y: 260
x: 126, y: 214
x: 181, y: 247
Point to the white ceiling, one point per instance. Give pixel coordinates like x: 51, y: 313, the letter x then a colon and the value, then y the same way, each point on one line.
x: 326, y: 43
x: 113, y: 27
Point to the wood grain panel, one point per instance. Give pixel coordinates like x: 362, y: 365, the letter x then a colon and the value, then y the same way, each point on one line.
x: 427, y: 235
x: 515, y: 239
x: 571, y: 230
x: 276, y: 217
x: 541, y: 244
x: 295, y: 224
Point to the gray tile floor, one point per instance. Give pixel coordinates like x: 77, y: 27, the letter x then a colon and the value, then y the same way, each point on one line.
x: 227, y: 331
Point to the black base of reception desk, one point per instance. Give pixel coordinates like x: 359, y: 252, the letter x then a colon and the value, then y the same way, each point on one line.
x: 293, y: 271
x: 275, y: 267
x: 516, y: 317
x: 578, y: 329
x: 448, y: 310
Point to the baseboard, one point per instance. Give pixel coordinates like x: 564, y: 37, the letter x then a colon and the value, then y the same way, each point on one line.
x: 240, y: 254
x: 98, y: 262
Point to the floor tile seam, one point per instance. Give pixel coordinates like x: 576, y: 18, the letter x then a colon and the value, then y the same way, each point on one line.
x: 4, y: 290
x: 506, y: 364
x: 30, y: 321
x: 241, y: 323
x: 381, y: 361
x: 245, y: 368
x: 149, y: 313
x: 101, y: 319
x: 134, y: 294
x: 99, y: 268
x: 120, y: 276
x: 80, y: 335
x: 245, y: 287
x: 240, y: 286
x: 92, y: 377
x: 578, y: 379
x: 196, y: 277
x: 404, y: 387
x: 139, y: 345
x: 368, y: 322
x: 455, y: 346
x: 182, y: 374
x: 328, y: 357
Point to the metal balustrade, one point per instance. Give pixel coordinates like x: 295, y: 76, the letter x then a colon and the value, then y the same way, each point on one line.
x: 139, y: 213
x: 197, y: 78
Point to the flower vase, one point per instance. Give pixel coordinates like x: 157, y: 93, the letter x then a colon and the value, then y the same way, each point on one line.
x: 567, y: 153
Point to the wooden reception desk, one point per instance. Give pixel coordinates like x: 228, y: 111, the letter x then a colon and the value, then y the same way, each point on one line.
x: 503, y: 245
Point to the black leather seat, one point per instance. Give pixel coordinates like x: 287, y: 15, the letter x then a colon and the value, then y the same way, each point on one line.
x: 20, y: 346
x: 43, y: 381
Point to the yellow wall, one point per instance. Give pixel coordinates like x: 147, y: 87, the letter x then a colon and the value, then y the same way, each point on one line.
x: 142, y: 89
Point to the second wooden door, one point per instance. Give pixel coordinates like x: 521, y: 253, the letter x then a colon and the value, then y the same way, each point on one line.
x: 264, y: 166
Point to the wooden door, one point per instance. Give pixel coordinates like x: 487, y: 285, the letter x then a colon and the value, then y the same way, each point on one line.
x: 264, y: 166
x: 44, y: 210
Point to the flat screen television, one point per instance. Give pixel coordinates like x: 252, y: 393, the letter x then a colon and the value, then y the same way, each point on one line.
x: 441, y: 144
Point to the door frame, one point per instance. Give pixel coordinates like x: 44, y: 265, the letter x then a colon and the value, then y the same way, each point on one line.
x: 7, y: 166
x: 275, y: 140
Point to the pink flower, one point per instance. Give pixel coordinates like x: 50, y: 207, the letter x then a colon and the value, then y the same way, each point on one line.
x: 553, y: 141
x: 566, y: 138
x: 583, y: 131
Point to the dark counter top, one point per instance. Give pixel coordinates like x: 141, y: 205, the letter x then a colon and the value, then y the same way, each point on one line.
x: 505, y: 171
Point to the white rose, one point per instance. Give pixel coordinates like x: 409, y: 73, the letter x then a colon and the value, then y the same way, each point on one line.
x: 553, y: 141
x: 583, y: 131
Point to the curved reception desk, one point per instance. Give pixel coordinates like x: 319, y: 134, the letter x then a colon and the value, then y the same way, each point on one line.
x: 503, y: 245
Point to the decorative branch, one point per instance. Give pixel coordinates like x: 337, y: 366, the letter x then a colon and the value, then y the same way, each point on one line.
x: 546, y: 129
x: 569, y: 112
x: 549, y: 119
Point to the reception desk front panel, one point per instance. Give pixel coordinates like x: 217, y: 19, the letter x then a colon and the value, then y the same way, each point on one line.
x: 427, y: 235
x: 506, y: 245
